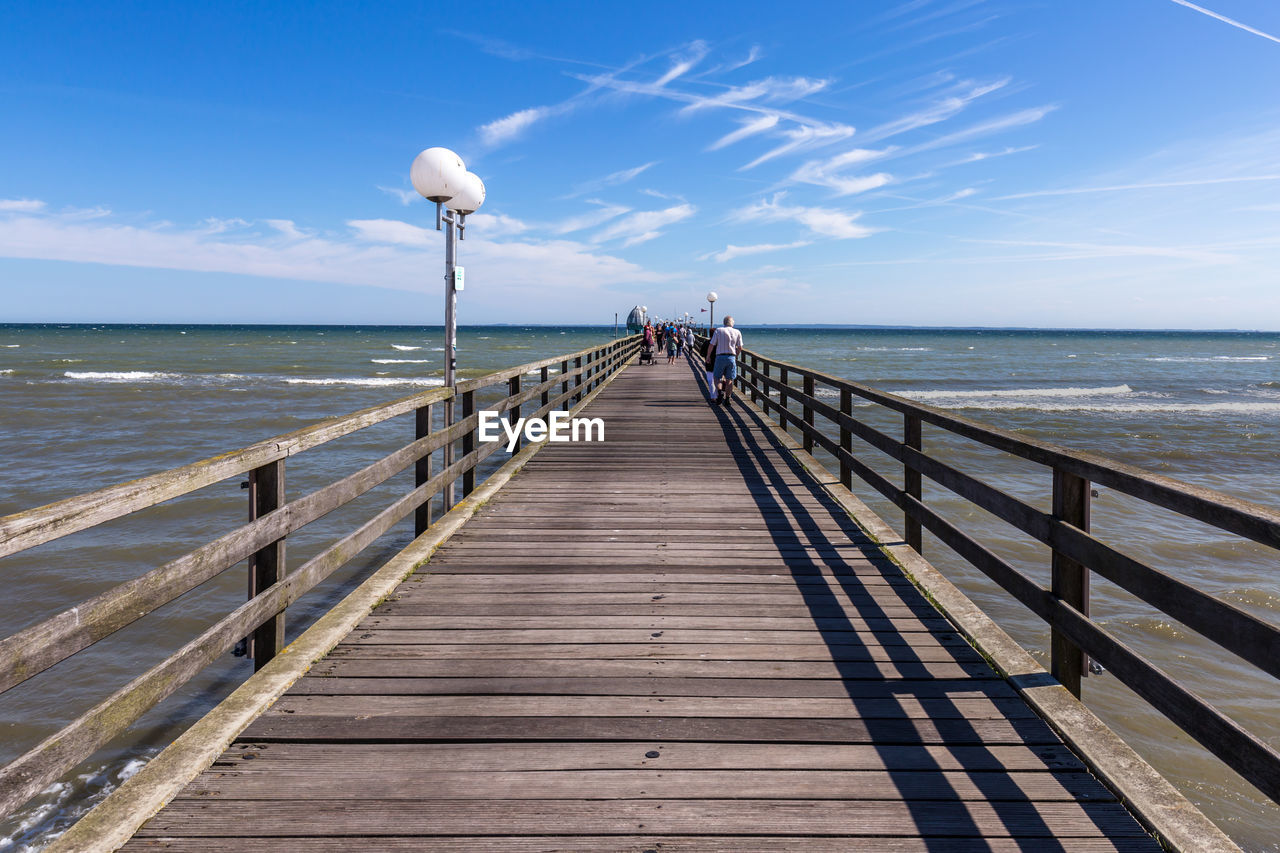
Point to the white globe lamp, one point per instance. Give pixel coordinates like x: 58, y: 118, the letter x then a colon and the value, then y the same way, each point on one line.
x: 438, y: 174
x: 469, y: 195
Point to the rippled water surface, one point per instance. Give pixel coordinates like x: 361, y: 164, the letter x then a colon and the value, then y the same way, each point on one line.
x: 85, y: 407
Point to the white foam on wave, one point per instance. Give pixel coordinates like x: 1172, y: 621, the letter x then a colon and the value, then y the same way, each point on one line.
x: 371, y: 382
x: 400, y: 360
x: 1252, y: 409
x: 10, y: 370
x: 118, y: 375
x: 437, y: 349
x: 12, y: 346
x: 404, y: 347
x: 895, y: 349
x: 1190, y: 358
x: 1025, y: 393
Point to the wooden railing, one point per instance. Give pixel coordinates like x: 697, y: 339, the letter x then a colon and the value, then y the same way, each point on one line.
x: 261, y: 542
x: 1065, y: 529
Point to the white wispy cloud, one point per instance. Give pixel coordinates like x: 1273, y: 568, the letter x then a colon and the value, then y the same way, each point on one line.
x: 590, y: 220
x: 495, y: 224
x: 826, y: 173
x: 287, y: 228
x: 1087, y: 251
x: 979, y: 156
x: 935, y: 113
x: 756, y: 96
x: 508, y: 128
x: 684, y: 61
x: 820, y: 220
x: 662, y: 195
x: 1145, y: 186
x: 643, y: 225
x: 21, y: 205
x: 803, y: 137
x: 731, y: 251
x: 1227, y: 20
x: 375, y: 252
x: 749, y: 127
x: 405, y: 197
x: 613, y: 179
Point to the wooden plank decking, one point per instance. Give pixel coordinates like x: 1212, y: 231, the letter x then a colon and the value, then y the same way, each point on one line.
x: 673, y: 640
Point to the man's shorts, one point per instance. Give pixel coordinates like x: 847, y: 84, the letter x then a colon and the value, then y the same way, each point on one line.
x: 726, y: 368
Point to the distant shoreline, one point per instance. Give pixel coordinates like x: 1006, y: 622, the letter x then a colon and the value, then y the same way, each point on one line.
x: 779, y: 327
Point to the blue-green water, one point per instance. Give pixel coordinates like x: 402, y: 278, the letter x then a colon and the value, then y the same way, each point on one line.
x: 85, y: 407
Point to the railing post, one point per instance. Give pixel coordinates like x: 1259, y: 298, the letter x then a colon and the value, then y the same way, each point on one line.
x: 911, y: 480
x: 468, y: 442
x: 422, y: 469
x: 808, y: 411
x: 784, y: 398
x: 564, y: 386
x: 768, y: 398
x: 446, y: 500
x: 577, y: 380
x: 546, y: 394
x: 513, y: 388
x: 846, y: 438
x: 266, y: 566
x: 1070, y: 581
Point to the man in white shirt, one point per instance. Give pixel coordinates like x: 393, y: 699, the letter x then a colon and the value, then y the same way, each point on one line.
x: 726, y: 343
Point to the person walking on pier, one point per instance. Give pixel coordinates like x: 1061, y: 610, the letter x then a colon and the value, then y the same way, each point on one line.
x: 672, y: 346
x: 726, y: 343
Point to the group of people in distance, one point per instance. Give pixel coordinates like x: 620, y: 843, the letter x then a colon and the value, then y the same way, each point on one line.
x: 670, y: 337
x: 721, y: 358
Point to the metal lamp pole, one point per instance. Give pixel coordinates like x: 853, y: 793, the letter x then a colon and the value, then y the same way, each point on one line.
x: 439, y: 175
x: 711, y: 311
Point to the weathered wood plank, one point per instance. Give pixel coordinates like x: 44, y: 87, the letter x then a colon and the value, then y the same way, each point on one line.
x: 845, y: 730
x: 571, y: 755
x: 809, y: 784
x: 285, y: 818
x: 689, y: 668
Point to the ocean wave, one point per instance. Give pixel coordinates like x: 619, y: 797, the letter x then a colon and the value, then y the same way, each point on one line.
x: 404, y: 347
x: 895, y: 349
x: 1189, y: 358
x: 437, y: 349
x: 119, y: 375
x: 400, y: 360
x: 1271, y: 385
x: 371, y: 382
x: 1129, y: 408
x: 12, y: 346
x: 1034, y: 393
x: 9, y: 370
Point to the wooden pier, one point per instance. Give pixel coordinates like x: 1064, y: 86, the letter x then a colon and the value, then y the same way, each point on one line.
x: 673, y: 640
x: 690, y: 636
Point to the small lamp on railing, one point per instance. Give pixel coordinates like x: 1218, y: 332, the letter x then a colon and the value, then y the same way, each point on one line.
x: 711, y: 311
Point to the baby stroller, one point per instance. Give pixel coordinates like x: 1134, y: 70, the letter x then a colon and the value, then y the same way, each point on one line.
x: 646, y: 354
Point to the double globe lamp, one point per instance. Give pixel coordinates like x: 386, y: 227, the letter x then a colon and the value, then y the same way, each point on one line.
x: 439, y: 175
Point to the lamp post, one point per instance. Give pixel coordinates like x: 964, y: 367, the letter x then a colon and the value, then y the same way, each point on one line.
x: 711, y: 311
x: 439, y: 175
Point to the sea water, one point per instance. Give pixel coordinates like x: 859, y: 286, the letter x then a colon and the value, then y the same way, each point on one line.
x: 89, y: 406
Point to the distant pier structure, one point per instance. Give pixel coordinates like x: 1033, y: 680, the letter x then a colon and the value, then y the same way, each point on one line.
x: 635, y: 321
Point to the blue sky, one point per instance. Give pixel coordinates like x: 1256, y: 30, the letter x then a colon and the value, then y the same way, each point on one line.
x: 934, y: 162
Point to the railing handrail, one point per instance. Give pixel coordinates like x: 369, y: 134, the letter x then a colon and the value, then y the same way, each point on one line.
x: 1066, y: 531
x: 40, y: 646
x: 1226, y: 512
